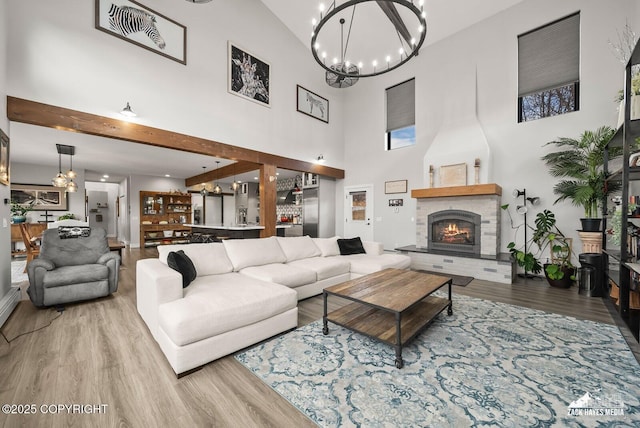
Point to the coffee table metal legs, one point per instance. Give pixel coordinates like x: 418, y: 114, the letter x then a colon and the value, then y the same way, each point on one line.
x: 399, y: 362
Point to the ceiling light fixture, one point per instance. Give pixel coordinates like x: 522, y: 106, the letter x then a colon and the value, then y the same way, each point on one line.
x: 65, y: 180
x: 346, y: 73
x: 205, y: 186
x: 235, y: 185
x: 60, y: 180
x: 126, y: 111
x: 217, y: 189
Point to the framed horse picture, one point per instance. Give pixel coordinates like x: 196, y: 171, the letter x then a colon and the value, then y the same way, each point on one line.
x: 312, y: 104
x: 249, y: 76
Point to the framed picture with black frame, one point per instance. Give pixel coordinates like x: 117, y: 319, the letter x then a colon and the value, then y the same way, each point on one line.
x: 131, y: 21
x: 41, y: 198
x: 312, y: 104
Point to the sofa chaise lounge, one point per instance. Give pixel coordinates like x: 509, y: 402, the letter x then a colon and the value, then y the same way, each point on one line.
x: 245, y: 291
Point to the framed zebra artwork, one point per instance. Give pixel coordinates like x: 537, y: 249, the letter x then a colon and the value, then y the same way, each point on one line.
x: 137, y: 24
x: 312, y: 104
x: 249, y: 76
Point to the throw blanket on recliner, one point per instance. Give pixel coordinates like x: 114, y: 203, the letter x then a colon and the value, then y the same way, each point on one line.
x: 66, y: 232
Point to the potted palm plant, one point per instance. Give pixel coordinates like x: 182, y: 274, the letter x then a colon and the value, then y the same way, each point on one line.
x: 580, y: 165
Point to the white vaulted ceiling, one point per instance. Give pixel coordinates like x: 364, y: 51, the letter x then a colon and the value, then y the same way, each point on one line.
x: 444, y: 18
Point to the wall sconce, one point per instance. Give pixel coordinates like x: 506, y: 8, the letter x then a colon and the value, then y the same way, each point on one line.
x: 126, y: 111
x: 321, y: 159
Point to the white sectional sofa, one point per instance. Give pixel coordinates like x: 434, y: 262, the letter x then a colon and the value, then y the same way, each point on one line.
x: 246, y: 290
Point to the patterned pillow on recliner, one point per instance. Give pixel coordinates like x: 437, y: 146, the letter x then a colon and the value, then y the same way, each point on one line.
x: 66, y: 232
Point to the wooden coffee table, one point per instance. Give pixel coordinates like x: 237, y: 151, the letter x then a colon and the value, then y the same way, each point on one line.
x: 392, y: 305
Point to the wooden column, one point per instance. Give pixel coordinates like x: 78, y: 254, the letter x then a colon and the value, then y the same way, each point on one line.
x: 268, y: 200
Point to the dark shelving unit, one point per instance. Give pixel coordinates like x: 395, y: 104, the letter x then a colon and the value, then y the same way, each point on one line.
x: 622, y: 264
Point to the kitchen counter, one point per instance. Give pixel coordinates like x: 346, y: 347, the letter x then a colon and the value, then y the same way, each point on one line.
x: 237, y: 227
x: 234, y: 231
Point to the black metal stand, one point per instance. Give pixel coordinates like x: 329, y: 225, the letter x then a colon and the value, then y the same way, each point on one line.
x: 533, y: 201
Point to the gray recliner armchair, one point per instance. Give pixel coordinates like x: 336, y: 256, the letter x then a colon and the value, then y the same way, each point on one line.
x: 72, y: 269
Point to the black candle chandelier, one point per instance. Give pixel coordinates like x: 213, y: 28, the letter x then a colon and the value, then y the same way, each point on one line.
x: 343, y: 71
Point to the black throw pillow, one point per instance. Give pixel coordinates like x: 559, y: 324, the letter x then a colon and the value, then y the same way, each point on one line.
x: 351, y: 246
x: 179, y: 261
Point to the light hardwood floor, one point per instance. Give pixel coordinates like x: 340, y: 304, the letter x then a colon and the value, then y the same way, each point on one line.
x: 100, y: 352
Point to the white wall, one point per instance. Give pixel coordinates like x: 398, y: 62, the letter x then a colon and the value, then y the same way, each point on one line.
x: 491, y: 47
x: 124, y: 229
x: 97, y: 73
x: 7, y: 301
x: 22, y: 173
x: 110, y: 219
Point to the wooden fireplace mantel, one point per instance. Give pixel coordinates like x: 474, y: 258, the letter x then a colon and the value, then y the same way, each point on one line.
x: 443, y: 192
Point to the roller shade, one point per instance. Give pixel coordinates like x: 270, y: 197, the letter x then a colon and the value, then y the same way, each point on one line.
x: 401, y: 105
x: 549, y: 57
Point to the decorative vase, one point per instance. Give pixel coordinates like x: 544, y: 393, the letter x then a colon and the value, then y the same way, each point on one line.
x: 590, y: 224
x: 17, y: 219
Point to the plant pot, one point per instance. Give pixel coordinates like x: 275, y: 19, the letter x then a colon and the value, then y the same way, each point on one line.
x: 566, y: 280
x: 17, y: 219
x: 590, y: 224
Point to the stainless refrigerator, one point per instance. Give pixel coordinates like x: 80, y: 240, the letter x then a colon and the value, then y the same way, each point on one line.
x: 310, y: 210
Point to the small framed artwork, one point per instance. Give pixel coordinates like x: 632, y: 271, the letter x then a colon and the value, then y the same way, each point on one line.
x: 137, y: 24
x: 398, y: 186
x: 4, y: 158
x: 312, y: 104
x: 396, y: 202
x: 249, y: 77
x: 42, y: 198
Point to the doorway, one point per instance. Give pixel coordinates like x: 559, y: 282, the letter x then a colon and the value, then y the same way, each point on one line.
x: 358, y: 212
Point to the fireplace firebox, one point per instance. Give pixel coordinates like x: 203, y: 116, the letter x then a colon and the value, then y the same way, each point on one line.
x: 455, y: 231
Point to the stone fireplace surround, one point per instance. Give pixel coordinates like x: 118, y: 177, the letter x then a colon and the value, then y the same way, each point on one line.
x: 483, y: 199
x: 486, y: 205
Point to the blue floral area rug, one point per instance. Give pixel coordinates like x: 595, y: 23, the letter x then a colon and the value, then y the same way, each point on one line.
x: 487, y: 364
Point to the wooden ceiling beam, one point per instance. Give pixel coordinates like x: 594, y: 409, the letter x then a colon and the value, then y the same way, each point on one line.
x: 35, y: 113
x: 239, y: 167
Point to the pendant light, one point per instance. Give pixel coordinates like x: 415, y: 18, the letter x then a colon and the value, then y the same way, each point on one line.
x: 59, y: 180
x: 204, y: 191
x: 217, y: 189
x: 235, y: 184
x: 71, y: 174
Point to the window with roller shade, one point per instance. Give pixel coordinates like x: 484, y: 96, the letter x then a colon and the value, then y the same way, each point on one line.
x: 549, y: 69
x: 401, y: 115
